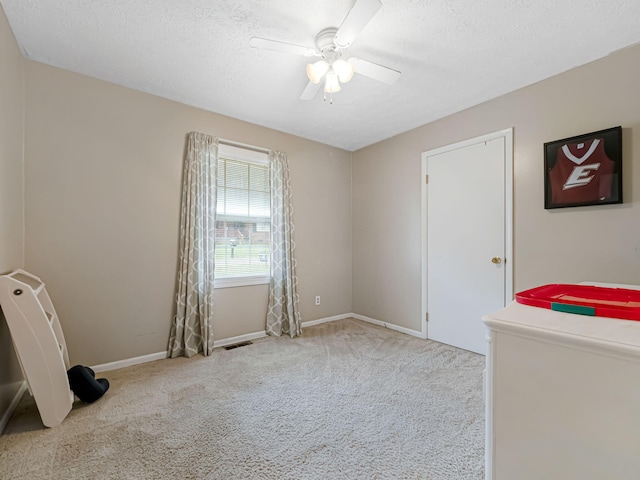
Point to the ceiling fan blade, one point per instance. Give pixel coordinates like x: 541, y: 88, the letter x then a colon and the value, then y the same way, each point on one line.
x: 358, y: 17
x: 266, y: 44
x: 311, y: 90
x: 373, y: 70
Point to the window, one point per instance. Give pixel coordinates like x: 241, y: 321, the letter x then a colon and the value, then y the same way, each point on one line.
x: 243, y: 241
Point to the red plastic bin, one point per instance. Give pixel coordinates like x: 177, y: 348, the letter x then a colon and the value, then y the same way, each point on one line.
x: 610, y: 302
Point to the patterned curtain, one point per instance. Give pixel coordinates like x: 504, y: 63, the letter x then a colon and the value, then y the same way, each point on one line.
x: 191, y: 331
x: 283, y: 314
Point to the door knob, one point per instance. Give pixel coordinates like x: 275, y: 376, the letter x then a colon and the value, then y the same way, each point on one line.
x: 496, y: 260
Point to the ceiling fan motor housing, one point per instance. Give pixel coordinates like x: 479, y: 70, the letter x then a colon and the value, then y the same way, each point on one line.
x: 326, y: 45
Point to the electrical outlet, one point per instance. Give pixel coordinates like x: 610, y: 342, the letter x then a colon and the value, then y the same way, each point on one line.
x: 318, y: 300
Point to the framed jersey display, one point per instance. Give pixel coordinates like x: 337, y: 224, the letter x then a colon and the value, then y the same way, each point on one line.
x: 584, y: 170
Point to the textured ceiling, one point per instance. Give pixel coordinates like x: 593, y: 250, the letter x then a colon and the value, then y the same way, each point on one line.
x: 453, y: 54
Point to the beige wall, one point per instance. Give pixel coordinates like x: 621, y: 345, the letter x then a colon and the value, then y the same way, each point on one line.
x: 11, y: 192
x: 103, y: 170
x: 564, y: 245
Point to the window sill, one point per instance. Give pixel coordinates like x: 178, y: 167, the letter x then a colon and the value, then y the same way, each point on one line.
x: 240, y: 281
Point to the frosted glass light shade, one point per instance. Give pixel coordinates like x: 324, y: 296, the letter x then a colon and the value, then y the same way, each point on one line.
x: 315, y: 71
x: 343, y: 69
x: 331, y: 83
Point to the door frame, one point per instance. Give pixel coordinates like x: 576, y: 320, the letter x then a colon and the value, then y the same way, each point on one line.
x: 507, y: 134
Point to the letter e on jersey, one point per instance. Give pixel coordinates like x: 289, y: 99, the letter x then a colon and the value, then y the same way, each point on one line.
x: 581, y: 175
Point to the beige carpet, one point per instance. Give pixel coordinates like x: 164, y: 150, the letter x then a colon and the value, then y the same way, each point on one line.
x: 347, y: 400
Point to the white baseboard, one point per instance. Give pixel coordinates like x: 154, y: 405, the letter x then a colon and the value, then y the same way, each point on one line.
x: 256, y: 335
x: 12, y: 406
x: 105, y: 367
x: 319, y: 321
x: 408, y: 331
x: 240, y: 338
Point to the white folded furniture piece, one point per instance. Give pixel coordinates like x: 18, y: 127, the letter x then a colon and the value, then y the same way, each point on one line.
x: 39, y: 343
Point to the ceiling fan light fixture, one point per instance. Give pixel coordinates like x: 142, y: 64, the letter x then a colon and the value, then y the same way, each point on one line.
x: 331, y: 83
x: 315, y: 71
x: 343, y: 69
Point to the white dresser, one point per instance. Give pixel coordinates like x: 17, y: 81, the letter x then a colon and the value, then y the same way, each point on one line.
x: 563, y: 396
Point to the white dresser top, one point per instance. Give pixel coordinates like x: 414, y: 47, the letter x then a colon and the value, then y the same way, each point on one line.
x: 610, y: 334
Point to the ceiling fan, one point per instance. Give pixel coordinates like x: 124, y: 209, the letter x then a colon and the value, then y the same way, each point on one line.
x: 331, y: 44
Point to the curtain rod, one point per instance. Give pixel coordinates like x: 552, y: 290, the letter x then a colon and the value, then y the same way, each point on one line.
x: 231, y: 143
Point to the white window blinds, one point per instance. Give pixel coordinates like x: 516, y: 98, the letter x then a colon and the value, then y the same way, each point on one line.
x: 242, y: 215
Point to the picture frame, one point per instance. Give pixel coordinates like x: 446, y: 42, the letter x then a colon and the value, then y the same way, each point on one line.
x: 584, y: 170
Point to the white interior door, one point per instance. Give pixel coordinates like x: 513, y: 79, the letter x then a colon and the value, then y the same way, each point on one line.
x: 468, y: 201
